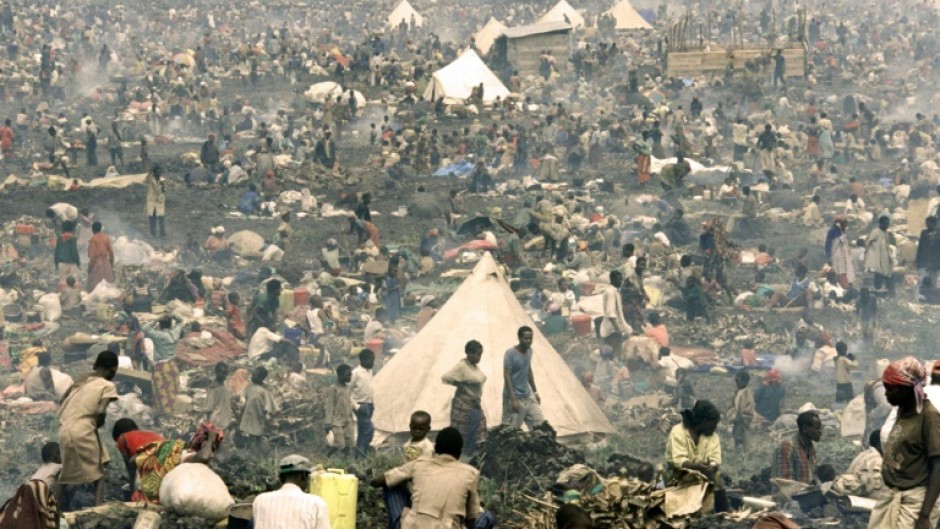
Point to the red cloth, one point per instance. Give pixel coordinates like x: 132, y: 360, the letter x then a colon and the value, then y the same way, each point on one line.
x: 225, y: 348
x: 132, y: 442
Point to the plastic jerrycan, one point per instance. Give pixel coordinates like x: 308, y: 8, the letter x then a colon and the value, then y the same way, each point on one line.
x: 340, y: 491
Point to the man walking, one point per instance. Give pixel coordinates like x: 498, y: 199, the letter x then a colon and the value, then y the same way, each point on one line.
x: 521, y: 403
x: 360, y: 388
x: 156, y: 201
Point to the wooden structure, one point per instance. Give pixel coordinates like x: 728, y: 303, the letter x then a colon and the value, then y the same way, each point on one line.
x: 521, y: 46
x: 715, y: 61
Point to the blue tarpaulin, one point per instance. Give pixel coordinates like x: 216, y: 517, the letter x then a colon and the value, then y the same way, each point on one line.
x: 461, y: 168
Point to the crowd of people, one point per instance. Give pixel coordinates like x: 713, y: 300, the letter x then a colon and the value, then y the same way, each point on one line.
x: 586, y: 183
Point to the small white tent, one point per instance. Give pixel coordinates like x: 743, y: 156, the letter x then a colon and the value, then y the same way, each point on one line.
x: 455, y: 81
x: 485, y: 309
x: 404, y: 11
x: 563, y: 12
x: 627, y: 17
x: 488, y: 34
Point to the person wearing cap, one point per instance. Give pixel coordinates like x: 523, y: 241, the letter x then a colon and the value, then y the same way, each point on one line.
x: 911, y: 465
x: 444, y: 490
x: 291, y: 506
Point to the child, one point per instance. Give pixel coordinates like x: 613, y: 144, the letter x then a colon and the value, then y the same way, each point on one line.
x: 219, y: 400
x: 866, y: 308
x: 297, y: 377
x: 234, y: 318
x: 339, y: 412
x: 398, y: 498
x: 694, y: 299
x: 34, y: 505
x: 51, y: 465
x: 742, y: 410
x: 360, y: 386
x: 685, y: 394
x: 70, y: 297
x: 259, y: 406
x: 845, y: 362
x: 217, y: 299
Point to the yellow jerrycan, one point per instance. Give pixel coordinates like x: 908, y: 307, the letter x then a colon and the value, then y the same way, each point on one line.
x: 340, y: 491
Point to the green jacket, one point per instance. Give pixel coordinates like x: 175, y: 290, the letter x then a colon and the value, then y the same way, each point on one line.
x: 66, y: 250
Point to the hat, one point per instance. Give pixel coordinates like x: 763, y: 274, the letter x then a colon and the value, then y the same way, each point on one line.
x: 294, y: 463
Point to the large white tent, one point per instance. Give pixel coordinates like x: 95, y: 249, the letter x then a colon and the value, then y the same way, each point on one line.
x: 627, y: 17
x: 403, y: 12
x: 563, y: 12
x: 455, y: 81
x: 485, y: 309
x: 488, y: 34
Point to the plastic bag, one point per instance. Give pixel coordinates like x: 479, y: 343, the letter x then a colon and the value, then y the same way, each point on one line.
x: 193, y: 489
x: 51, y: 307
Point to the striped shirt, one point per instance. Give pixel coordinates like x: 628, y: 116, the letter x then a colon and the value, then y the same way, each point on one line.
x: 290, y: 508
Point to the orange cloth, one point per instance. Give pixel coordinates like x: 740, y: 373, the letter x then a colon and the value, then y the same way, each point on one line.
x: 99, y: 247
x: 748, y: 357
x: 660, y: 334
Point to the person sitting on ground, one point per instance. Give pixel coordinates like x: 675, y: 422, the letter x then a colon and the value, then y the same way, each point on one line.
x: 795, y: 458
x: 444, y: 490
x: 770, y: 396
x: 554, y: 323
x: 657, y: 329
x: 33, y: 506
x: 693, y: 444
x: 250, y: 201
x: 45, y: 383
x: 148, y: 457
x: 71, y: 297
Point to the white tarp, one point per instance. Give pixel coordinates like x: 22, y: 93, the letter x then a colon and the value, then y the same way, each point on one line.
x: 455, y: 81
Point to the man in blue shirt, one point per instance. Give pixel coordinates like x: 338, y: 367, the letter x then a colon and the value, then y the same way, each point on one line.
x: 520, y: 397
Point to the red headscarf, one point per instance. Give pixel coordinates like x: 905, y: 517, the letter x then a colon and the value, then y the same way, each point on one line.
x: 772, y: 377
x: 908, y: 372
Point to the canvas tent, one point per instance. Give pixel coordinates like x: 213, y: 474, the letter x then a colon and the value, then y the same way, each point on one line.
x: 563, y: 12
x: 403, y: 11
x: 484, y: 309
x: 488, y: 34
x: 627, y: 17
x: 454, y: 81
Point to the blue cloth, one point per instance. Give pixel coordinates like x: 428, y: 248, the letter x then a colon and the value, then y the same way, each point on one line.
x: 392, y: 298
x: 396, y: 500
x: 834, y: 233
x: 461, y: 168
x: 518, y: 365
x: 364, y: 428
x: 249, y: 203
x: 485, y: 521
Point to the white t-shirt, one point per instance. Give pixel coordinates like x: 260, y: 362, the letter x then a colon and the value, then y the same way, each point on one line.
x: 314, y: 321
x: 262, y: 342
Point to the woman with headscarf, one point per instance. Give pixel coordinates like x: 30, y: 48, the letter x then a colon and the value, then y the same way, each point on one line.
x: 694, y: 444
x: 148, y: 457
x: 769, y: 397
x: 911, y: 465
x: 217, y: 246
x: 466, y: 408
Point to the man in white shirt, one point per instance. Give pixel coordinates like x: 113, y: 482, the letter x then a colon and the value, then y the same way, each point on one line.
x: 61, y: 212
x: 612, y: 327
x: 361, y: 392
x: 290, y: 506
x: 262, y: 343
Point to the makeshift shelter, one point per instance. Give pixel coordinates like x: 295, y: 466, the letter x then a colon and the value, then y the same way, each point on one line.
x: 404, y: 12
x: 486, y: 37
x: 563, y: 12
x: 521, y: 46
x: 627, y: 17
x: 455, y: 81
x: 485, y: 309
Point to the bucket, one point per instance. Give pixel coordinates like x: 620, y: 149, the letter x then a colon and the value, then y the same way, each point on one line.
x: 301, y: 297
x: 581, y: 324
x: 239, y: 516
x: 403, y: 210
x: 287, y: 301
x: 377, y: 346
x: 13, y: 313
